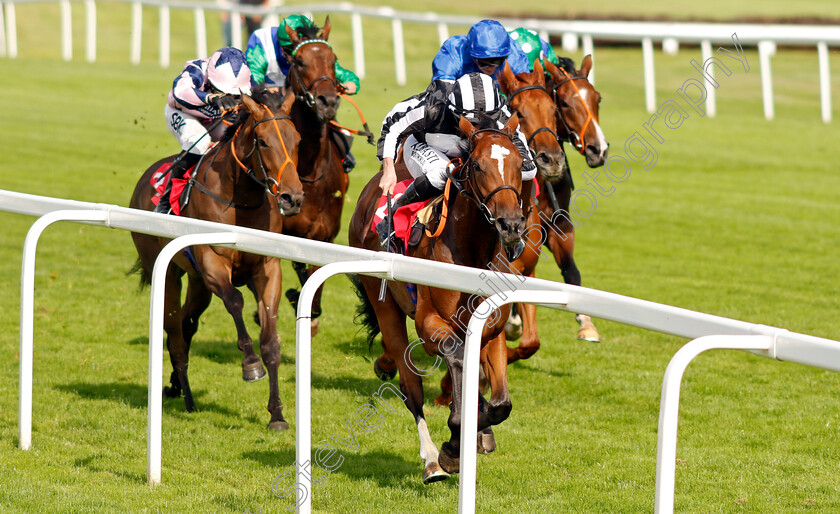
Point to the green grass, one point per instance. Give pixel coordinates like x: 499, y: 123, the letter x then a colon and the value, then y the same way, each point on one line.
x: 738, y: 218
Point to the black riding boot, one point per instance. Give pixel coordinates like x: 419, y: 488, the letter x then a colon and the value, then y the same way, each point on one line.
x: 177, y: 170
x: 343, y: 142
x: 418, y: 191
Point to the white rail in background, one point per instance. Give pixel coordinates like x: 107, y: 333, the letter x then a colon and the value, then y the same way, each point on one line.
x: 645, y: 33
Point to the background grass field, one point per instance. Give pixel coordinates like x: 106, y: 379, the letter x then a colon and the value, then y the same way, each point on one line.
x: 738, y: 218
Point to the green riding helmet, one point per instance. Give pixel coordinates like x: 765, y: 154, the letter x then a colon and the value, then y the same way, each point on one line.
x: 533, y: 46
x: 296, y: 22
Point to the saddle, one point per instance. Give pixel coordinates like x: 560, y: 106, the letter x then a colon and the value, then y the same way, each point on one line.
x: 159, y: 180
x: 409, y: 221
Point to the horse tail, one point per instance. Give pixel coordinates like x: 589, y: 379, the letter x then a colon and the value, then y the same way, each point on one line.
x: 365, y: 315
x: 138, y: 268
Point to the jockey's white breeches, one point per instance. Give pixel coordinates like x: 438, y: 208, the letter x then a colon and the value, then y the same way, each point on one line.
x: 432, y: 157
x: 190, y: 132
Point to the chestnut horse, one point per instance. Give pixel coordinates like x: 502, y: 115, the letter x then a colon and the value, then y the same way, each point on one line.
x: 577, y: 103
x: 248, y: 179
x: 485, y: 221
x: 312, y: 78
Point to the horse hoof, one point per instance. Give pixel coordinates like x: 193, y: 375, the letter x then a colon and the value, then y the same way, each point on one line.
x: 443, y: 400
x: 315, y: 326
x: 486, y: 443
x: 254, y: 373
x: 587, y: 331
x: 279, y: 426
x: 434, y: 473
x: 171, y: 392
x: 384, y: 375
x: 449, y: 464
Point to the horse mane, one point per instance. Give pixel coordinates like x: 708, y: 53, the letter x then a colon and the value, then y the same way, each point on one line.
x: 260, y: 94
x: 568, y: 65
x: 309, y: 32
x: 487, y: 121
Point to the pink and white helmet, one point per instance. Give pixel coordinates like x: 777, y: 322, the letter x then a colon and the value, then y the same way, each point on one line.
x: 227, y: 71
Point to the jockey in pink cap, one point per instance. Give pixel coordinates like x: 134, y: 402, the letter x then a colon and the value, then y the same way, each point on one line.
x: 199, y: 96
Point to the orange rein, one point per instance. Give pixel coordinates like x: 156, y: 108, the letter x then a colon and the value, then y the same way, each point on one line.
x: 589, y: 116
x: 444, y: 213
x: 365, y: 132
x: 288, y: 160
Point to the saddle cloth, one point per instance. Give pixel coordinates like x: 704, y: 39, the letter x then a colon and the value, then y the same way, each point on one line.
x: 158, y: 181
x: 404, y: 217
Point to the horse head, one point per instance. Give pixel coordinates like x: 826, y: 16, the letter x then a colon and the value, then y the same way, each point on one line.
x: 273, y: 148
x: 493, y: 173
x: 528, y: 96
x: 312, y: 70
x: 577, y: 109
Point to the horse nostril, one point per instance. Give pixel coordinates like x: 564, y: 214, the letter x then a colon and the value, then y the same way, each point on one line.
x: 592, y: 149
x: 286, y: 198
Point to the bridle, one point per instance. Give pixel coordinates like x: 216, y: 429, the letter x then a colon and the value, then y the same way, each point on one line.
x: 541, y: 129
x: 306, y: 90
x: 270, y: 185
x: 475, y: 194
x: 578, y: 142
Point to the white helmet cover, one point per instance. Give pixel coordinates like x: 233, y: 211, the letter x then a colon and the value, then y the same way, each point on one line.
x: 227, y: 71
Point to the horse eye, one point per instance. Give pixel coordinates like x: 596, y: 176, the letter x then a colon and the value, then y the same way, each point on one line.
x: 476, y: 166
x: 563, y: 103
x: 263, y: 143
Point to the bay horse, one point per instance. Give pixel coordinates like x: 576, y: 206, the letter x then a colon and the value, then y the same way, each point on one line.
x: 248, y: 179
x: 486, y: 220
x: 575, y: 102
x: 312, y: 78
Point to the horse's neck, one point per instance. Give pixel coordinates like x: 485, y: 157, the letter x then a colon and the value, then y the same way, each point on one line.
x: 313, y: 133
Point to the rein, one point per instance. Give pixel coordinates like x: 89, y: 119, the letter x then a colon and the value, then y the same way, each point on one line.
x: 470, y: 178
x: 541, y: 129
x: 579, y: 143
x: 269, y: 184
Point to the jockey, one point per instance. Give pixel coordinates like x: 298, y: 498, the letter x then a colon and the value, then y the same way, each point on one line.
x: 485, y: 48
x: 428, y: 130
x: 269, y: 65
x: 534, y: 47
x: 199, y: 96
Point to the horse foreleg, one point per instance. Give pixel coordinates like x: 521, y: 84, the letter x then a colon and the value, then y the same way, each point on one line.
x: 562, y: 244
x: 217, y: 277
x: 268, y: 285
x: 494, y: 363
x: 391, y: 321
x: 530, y: 341
x: 303, y: 272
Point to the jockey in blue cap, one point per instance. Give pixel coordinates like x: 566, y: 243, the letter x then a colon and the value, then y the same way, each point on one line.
x: 485, y: 48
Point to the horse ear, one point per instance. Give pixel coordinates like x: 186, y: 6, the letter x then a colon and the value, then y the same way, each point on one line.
x: 538, y: 69
x: 586, y: 67
x: 294, y: 37
x: 288, y: 101
x: 467, y: 127
x: 512, y: 124
x: 552, y: 70
x: 508, y: 80
x: 325, y: 32
x: 250, y: 104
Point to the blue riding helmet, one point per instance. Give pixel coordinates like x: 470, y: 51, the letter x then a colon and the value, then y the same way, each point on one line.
x: 488, y: 39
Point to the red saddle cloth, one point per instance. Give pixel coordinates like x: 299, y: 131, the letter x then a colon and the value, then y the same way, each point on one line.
x: 158, y: 182
x: 403, y: 217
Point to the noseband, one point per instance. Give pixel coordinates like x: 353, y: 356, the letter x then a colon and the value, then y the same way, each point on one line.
x: 579, y: 142
x: 470, y: 178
